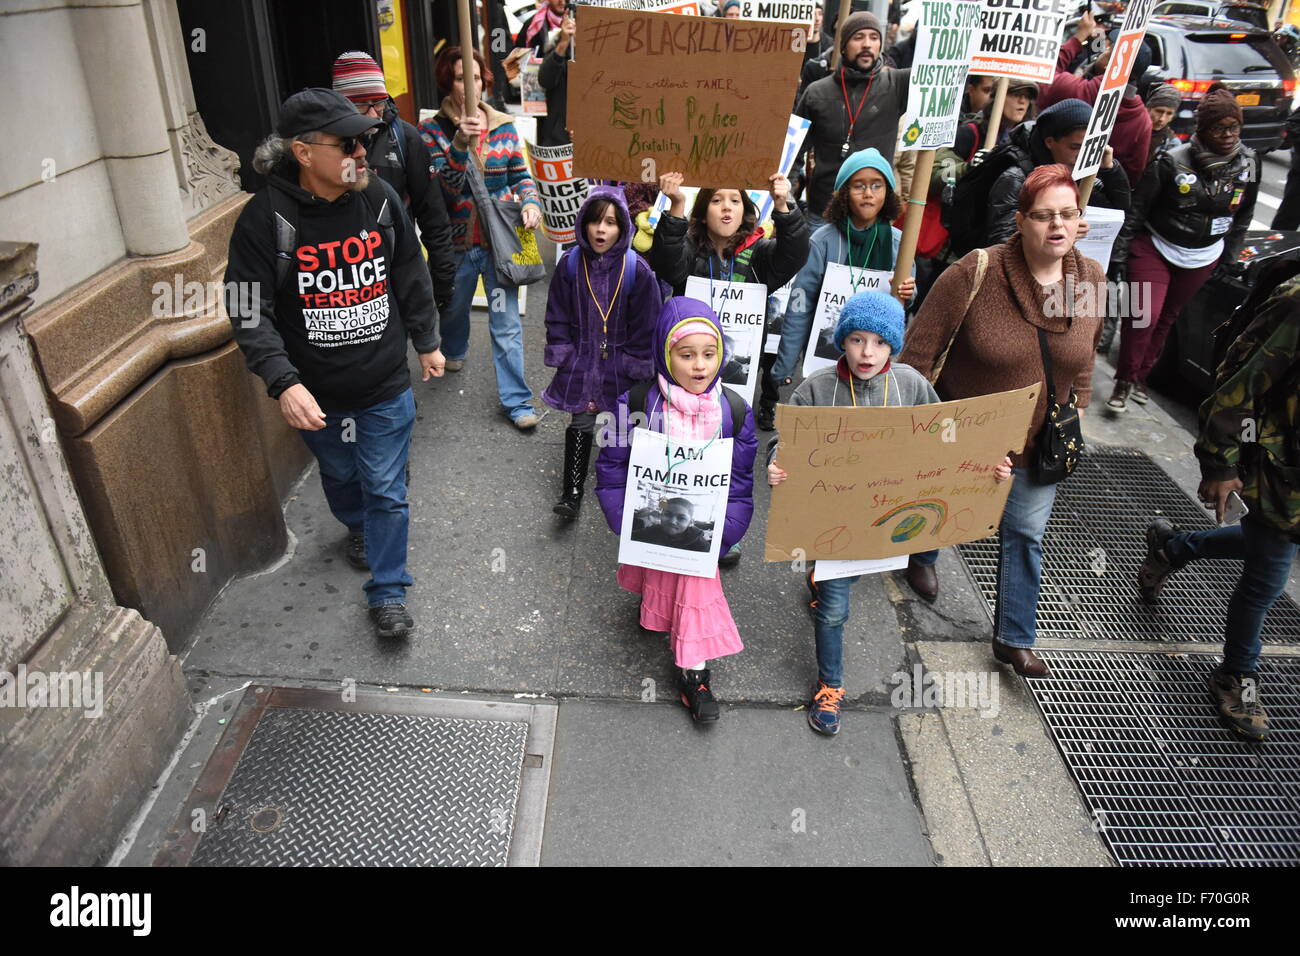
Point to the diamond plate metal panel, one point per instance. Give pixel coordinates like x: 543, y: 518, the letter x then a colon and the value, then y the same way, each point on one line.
x: 1165, y: 782
x: 1105, y: 505
x: 326, y: 788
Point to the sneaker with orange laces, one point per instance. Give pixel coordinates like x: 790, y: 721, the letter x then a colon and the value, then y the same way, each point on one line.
x: 824, y: 710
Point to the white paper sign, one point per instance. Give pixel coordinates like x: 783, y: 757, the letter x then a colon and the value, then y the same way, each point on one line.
x: 1021, y: 40
x: 742, y: 311
x: 1103, y: 228
x: 675, y: 505
x: 789, y: 11
x: 839, y: 283
x: 948, y: 34
x: 829, y: 570
x: 562, y: 194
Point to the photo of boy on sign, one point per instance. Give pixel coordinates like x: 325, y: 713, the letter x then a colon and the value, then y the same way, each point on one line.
x: 669, y: 523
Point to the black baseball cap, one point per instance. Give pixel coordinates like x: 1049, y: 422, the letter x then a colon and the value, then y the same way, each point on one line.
x: 318, y: 110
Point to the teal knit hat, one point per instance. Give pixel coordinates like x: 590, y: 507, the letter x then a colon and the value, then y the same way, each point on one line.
x: 872, y: 311
x: 869, y: 158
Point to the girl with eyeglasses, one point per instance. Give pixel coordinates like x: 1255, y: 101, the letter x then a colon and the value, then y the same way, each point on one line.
x: 1190, y: 212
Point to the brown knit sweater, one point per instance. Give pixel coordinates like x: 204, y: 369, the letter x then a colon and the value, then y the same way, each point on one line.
x: 996, y: 349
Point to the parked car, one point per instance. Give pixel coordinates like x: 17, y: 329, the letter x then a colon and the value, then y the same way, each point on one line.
x: 1191, y: 53
x: 1254, y: 14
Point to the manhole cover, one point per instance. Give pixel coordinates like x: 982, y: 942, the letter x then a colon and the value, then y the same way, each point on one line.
x: 302, y: 779
x: 1164, y: 782
x: 1094, y: 545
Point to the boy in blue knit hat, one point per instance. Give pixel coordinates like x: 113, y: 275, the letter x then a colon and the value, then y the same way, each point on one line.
x: 870, y: 331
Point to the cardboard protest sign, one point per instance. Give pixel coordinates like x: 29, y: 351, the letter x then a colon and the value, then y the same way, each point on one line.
x: 675, y: 504
x: 883, y: 481
x: 562, y: 194
x: 948, y: 32
x: 1103, y: 229
x: 742, y: 312
x: 840, y: 282
x: 1106, y: 108
x: 651, y: 93
x: 1020, y: 39
x: 688, y: 7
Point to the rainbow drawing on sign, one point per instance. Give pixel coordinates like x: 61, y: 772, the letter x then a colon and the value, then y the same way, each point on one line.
x: 913, y: 524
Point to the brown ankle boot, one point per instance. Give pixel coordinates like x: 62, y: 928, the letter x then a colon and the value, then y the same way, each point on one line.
x: 1025, y: 662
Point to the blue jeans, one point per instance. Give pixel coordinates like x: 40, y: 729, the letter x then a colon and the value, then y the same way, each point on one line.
x: 828, y: 628
x: 503, y: 323
x: 1268, y: 555
x: 362, y: 456
x: 1020, y: 559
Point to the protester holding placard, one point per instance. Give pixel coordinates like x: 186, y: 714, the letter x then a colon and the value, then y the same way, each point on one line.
x: 985, y: 327
x: 722, y: 241
x: 1191, y: 212
x: 553, y: 45
x: 601, y: 312
x: 855, y: 108
x: 686, y: 403
x: 488, y: 139
x: 870, y: 331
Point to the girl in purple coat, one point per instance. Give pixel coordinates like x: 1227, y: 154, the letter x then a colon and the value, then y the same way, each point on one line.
x: 600, y: 320
x: 688, y: 403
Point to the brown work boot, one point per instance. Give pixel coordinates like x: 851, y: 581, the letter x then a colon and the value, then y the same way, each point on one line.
x: 1025, y: 662
x: 1237, y: 698
x: 923, y: 579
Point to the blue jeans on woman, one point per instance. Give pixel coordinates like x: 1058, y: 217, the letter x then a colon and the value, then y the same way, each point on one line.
x: 503, y: 323
x: 1268, y: 555
x: 362, y: 455
x: 1020, y: 559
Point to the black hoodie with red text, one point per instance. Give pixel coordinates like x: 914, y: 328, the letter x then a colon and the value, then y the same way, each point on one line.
x: 339, y: 322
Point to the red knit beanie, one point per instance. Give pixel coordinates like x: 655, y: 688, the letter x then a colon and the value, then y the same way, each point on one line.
x: 1218, y: 104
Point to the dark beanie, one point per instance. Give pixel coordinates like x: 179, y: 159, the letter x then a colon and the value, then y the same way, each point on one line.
x: 855, y: 22
x: 1163, y: 94
x: 1218, y: 104
x: 1062, y: 117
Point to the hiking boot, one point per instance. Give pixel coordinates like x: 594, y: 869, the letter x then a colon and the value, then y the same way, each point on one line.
x: 454, y: 365
x: 731, y: 558
x: 1156, y: 566
x: 577, y: 455
x: 1140, y: 393
x: 356, y: 550
x: 1237, y: 699
x: 698, y: 698
x: 765, y: 415
x: 1118, y: 400
x: 824, y: 709
x: 391, y: 620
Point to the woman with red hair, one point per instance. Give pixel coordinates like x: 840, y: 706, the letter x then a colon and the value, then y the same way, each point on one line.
x: 979, y: 331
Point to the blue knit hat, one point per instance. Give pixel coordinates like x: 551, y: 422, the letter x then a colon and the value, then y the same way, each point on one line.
x: 869, y: 158
x: 872, y: 311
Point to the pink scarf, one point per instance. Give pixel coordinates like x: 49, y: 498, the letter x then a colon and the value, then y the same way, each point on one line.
x: 544, y: 17
x: 691, y: 417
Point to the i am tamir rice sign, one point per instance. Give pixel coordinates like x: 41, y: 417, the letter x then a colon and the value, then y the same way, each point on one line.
x: 880, y: 482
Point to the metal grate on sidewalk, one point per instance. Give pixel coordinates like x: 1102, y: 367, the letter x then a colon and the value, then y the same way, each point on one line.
x: 1164, y: 780
x: 1098, y: 524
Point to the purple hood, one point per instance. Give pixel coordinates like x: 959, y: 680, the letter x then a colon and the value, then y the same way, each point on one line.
x: 615, y: 195
x: 675, y: 311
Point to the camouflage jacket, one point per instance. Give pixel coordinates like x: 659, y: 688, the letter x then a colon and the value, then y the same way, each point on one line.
x: 1250, y: 426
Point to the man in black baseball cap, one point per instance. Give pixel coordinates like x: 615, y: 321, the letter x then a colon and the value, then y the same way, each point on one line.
x: 331, y: 262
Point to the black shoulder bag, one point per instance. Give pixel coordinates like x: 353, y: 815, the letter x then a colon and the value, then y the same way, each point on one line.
x: 1061, y: 441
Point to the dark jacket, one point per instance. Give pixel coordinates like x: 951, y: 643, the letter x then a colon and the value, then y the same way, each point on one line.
x: 823, y: 104
x: 1216, y: 190
x: 612, y: 463
x: 554, y: 79
x: 1110, y: 191
x: 584, y: 381
x: 399, y: 156
x: 352, y: 353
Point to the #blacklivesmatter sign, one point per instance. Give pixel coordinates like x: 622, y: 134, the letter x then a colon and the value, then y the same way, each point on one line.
x: 652, y: 93
x: 1020, y: 39
x: 1106, y: 108
x: 343, y: 287
x: 948, y: 33
x: 878, y: 482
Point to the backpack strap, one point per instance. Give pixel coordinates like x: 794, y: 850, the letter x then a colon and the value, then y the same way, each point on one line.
x: 738, y: 410
x: 381, y: 208
x: 284, y: 220
x: 637, y: 397
x: 395, y: 131
x: 981, y: 267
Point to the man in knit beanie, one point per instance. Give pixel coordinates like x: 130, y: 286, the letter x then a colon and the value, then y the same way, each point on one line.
x: 856, y: 107
x: 401, y: 159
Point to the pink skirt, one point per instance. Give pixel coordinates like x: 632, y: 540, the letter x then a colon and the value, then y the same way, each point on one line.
x: 692, y: 610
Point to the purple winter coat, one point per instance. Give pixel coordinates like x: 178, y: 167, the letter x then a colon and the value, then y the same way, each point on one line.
x: 583, y: 380
x: 612, y: 462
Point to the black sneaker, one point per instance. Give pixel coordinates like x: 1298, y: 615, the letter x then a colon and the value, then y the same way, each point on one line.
x: 391, y: 620
x: 1156, y: 566
x: 356, y: 550
x: 765, y: 416
x: 697, y: 696
x: 1237, y: 700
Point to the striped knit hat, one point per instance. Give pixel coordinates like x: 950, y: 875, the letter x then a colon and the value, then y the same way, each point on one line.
x: 358, y: 77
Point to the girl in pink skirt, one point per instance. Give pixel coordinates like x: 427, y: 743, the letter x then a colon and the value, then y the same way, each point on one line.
x: 687, y: 402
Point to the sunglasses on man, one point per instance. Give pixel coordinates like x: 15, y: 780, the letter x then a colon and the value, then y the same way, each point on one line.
x: 349, y: 143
